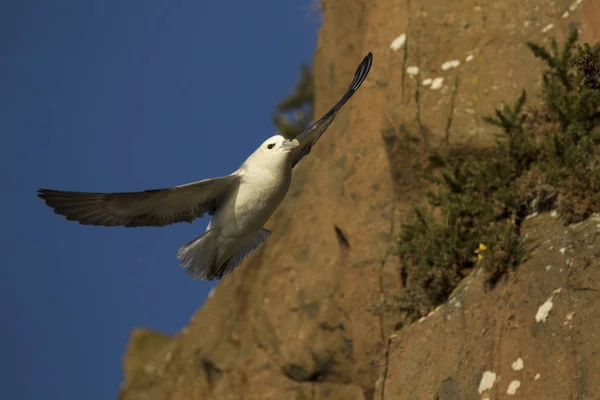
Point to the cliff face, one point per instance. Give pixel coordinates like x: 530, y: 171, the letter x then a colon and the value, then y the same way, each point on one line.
x: 535, y: 336
x: 306, y: 316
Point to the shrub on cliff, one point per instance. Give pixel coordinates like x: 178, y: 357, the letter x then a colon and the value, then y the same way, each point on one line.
x: 545, y: 157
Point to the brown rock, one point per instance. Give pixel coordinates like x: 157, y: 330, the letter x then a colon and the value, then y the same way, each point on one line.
x: 546, y: 316
x: 307, y: 317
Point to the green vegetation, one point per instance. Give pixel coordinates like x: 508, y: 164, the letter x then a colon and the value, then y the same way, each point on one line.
x: 587, y: 63
x: 545, y: 157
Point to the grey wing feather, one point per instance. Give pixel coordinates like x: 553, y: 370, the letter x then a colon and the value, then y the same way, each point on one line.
x: 157, y: 207
x: 254, y: 242
x: 310, y: 136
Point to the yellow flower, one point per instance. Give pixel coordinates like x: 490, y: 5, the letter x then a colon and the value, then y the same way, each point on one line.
x: 482, y: 247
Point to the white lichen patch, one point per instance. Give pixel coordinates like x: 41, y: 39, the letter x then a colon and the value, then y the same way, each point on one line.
x: 532, y: 215
x: 488, y: 379
x: 427, y: 82
x: 596, y: 218
x: 455, y: 302
x: 570, y: 315
x: 548, y: 267
x: 562, y: 251
x: 470, y: 57
x: 512, y: 387
x: 575, y: 4
x: 547, y: 28
x: 517, y: 365
x: 554, y: 214
x: 398, y: 42
x: 543, y: 311
x: 536, y: 377
x: 437, y: 83
x: 432, y: 312
x: 450, y: 64
x: 412, y: 70
x: 569, y: 320
x: 565, y: 14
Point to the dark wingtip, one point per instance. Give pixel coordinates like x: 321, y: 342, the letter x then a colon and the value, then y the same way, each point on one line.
x: 42, y: 193
x: 46, y: 195
x: 361, y: 72
x: 359, y: 76
x: 369, y: 58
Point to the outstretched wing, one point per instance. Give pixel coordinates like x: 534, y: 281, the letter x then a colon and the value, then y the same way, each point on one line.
x: 310, y: 136
x: 157, y: 207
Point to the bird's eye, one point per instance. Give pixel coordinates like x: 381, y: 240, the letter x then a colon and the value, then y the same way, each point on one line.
x: 270, y: 146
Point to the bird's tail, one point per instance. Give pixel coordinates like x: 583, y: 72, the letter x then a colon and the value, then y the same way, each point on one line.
x: 201, y: 255
x: 209, y: 258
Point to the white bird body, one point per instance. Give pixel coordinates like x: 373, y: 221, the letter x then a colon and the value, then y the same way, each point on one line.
x: 240, y: 204
x: 263, y: 185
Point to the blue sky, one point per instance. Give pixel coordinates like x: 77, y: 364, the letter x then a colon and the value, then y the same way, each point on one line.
x: 118, y: 95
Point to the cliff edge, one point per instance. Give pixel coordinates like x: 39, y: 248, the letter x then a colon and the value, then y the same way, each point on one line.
x: 305, y: 317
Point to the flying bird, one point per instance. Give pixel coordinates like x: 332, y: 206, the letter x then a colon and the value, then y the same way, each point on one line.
x: 239, y: 203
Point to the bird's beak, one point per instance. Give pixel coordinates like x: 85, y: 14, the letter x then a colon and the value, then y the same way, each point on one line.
x: 289, y: 145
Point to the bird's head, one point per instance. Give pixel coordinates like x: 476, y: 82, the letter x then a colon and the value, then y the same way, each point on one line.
x: 273, y: 152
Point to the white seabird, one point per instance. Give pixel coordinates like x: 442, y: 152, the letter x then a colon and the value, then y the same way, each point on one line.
x: 239, y: 203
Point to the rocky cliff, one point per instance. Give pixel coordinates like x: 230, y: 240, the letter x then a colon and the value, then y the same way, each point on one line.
x: 306, y: 316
